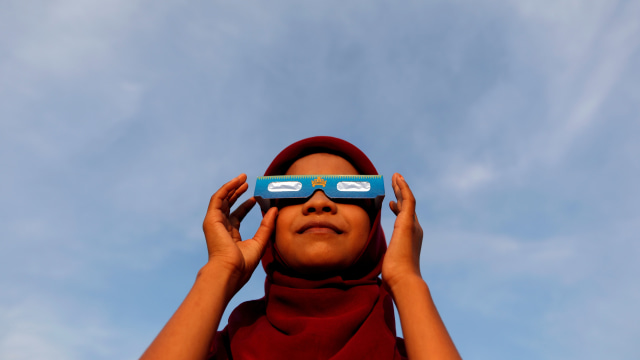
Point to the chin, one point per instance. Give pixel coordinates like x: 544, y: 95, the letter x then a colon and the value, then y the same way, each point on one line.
x: 320, y: 268
x: 315, y: 257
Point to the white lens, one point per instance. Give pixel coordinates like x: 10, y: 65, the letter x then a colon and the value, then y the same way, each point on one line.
x: 281, y: 186
x: 354, y: 186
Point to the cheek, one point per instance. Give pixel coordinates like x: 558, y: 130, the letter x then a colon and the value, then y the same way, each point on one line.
x: 285, y: 217
x: 363, y: 232
x: 283, y: 225
x: 360, y: 227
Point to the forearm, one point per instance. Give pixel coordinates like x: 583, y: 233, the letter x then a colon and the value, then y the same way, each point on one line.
x: 189, y: 332
x: 425, y: 334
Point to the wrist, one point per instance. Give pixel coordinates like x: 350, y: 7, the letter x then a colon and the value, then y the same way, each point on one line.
x: 218, y: 279
x: 406, y: 284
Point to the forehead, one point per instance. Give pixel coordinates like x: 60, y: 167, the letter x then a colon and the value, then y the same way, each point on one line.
x: 322, y: 164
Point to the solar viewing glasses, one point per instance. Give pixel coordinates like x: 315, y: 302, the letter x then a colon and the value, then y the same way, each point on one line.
x: 348, y: 187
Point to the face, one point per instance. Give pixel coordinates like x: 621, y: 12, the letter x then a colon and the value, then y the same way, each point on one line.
x: 321, y: 236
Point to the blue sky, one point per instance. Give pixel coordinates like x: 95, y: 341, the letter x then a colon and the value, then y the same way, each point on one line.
x: 516, y: 123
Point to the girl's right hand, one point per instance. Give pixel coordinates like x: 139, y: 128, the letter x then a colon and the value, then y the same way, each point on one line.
x: 227, y: 251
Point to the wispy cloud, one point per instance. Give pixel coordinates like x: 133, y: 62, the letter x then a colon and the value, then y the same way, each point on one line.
x: 65, y: 38
x: 508, y: 118
x: 54, y: 327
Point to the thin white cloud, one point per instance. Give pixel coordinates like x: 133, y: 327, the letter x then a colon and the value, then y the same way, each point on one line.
x: 50, y: 327
x: 126, y: 116
x: 588, y: 298
x: 504, y: 256
x: 583, y: 52
x: 468, y: 178
x: 67, y: 37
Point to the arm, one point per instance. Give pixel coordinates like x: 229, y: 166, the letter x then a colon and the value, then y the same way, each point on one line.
x: 189, y: 332
x: 424, y: 333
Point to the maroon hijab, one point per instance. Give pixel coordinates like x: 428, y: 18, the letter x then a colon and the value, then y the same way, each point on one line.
x: 349, y: 316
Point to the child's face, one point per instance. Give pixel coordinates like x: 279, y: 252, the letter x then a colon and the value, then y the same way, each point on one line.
x: 321, y: 235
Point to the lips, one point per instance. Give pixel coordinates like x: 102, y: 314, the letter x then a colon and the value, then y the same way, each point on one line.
x: 319, y: 227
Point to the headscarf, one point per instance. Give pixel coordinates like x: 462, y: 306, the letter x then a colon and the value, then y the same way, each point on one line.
x: 344, y: 317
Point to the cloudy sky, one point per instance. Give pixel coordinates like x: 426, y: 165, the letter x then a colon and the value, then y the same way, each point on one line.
x: 515, y: 121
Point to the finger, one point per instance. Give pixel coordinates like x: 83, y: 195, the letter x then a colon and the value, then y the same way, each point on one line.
x: 222, y: 194
x: 238, y: 214
x: 406, y: 195
x: 394, y: 207
x: 255, y: 246
x: 237, y: 193
x: 395, y: 183
x: 240, y: 182
x: 267, y: 226
x: 396, y: 191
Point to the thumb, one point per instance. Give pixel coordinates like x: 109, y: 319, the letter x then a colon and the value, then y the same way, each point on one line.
x: 256, y: 246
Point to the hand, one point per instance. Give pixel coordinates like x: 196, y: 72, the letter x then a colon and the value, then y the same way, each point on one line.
x: 402, y: 260
x: 222, y: 232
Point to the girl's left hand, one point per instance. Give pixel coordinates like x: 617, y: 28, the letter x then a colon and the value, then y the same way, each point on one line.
x: 402, y: 260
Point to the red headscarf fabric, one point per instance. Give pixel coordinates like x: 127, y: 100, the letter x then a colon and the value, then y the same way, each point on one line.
x: 344, y: 317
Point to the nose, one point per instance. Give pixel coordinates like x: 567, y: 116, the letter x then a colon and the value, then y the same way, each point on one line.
x: 319, y: 203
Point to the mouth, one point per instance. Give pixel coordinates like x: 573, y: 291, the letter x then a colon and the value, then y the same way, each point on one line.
x: 319, y: 227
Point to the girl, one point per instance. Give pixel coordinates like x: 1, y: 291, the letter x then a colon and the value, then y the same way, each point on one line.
x: 323, y: 257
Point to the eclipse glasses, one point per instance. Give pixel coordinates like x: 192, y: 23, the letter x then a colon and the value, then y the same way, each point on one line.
x: 349, y: 187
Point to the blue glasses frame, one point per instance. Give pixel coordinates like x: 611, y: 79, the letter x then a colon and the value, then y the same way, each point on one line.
x: 271, y: 188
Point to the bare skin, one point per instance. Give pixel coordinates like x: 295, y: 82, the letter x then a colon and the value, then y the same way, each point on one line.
x: 339, y: 231
x: 190, y: 331
x: 425, y: 335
